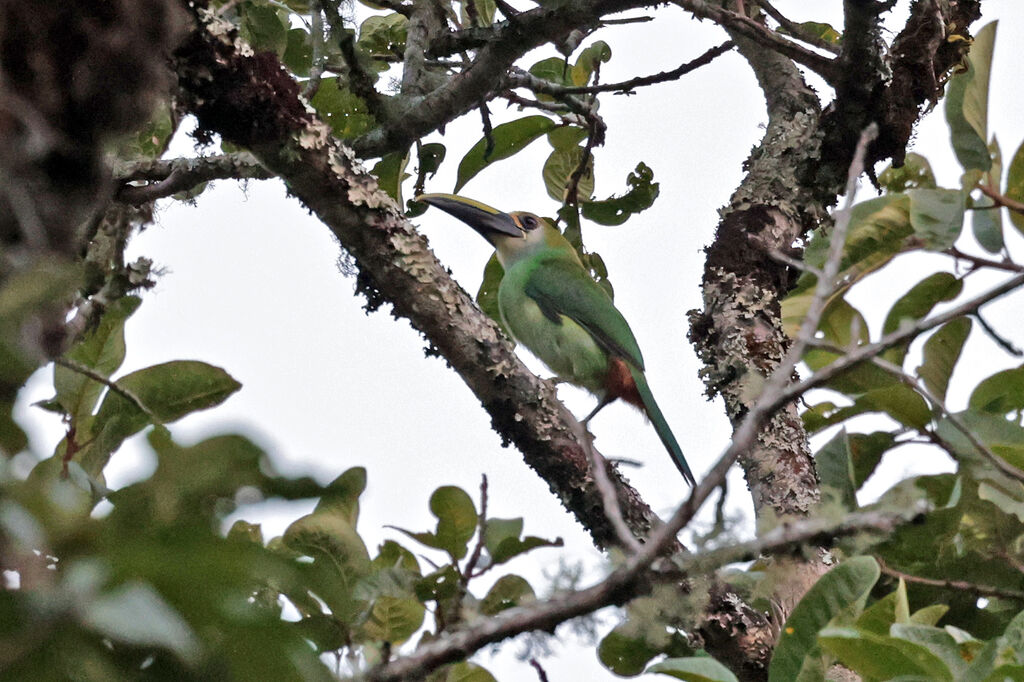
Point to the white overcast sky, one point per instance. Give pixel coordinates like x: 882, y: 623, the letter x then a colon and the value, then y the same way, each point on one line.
x: 251, y: 285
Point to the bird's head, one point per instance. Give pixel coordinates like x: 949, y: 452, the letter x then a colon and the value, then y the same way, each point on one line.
x: 512, y: 234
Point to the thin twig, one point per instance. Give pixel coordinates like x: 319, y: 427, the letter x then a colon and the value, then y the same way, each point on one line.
x: 467, y: 571
x: 1002, y: 199
x: 957, y: 585
x: 998, y: 462
x: 112, y: 385
x: 981, y: 262
x: 609, y: 494
x: 1005, y: 344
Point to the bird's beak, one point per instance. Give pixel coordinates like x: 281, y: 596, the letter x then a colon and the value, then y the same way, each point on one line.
x: 489, y: 222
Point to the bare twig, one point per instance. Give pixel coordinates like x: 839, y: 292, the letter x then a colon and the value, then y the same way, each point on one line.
x: 628, y: 86
x: 467, y: 571
x: 609, y: 493
x: 112, y: 385
x: 998, y: 462
x: 1003, y: 343
x: 1002, y: 199
x: 957, y: 585
x: 981, y: 262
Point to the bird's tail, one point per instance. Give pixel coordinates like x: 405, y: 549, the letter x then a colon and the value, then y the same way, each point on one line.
x: 660, y: 425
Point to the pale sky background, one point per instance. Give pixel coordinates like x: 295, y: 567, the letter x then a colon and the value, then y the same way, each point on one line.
x: 252, y: 285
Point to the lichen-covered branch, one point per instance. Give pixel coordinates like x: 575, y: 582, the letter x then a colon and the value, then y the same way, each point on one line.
x: 251, y: 101
x: 171, y: 176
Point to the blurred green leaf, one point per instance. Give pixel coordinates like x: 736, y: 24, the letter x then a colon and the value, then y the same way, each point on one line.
x: 393, y: 619
x: 937, y: 216
x: 456, y: 521
x: 383, y: 35
x: 567, y: 136
x: 587, y: 62
x: 390, y: 173
x: 694, y: 669
x: 967, y: 103
x: 883, y: 658
x: 509, y: 138
x: 916, y: 304
x: 835, y: 468
x: 347, y: 114
x: 815, y: 29
x: 941, y: 353
x: 986, y: 216
x: 298, y: 52
x: 1001, y: 393
x: 102, y: 350
x: 838, y: 596
x: 624, y: 654
x: 430, y: 157
x: 461, y: 672
x: 136, y: 614
x: 508, y: 591
x: 915, y: 173
x: 262, y: 28
x: 484, y: 11
x: 1015, y: 186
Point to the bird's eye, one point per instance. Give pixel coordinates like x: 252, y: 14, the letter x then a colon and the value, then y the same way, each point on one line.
x: 529, y: 222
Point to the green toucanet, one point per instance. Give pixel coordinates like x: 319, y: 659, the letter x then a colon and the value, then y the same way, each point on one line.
x: 551, y: 305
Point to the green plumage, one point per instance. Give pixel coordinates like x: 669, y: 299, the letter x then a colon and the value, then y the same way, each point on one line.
x: 551, y: 305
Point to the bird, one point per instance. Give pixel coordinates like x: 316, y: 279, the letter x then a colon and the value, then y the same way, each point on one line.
x: 551, y: 305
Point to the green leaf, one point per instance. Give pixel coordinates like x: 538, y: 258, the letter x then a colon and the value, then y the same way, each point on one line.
x: 941, y: 353
x: 102, y: 351
x: 383, y: 35
x: 347, y: 114
x: 1004, y: 438
x: 390, y: 172
x: 498, y: 530
x: 298, y: 52
x: 487, y: 296
x: 838, y: 595
x: 937, y: 216
x: 566, y: 136
x: 616, y: 210
x: 430, y: 157
x: 986, y: 216
x: 624, y: 654
x: 867, y: 450
x: 935, y: 640
x: 552, y: 69
x: 929, y: 615
x: 341, y: 496
x: 484, y: 12
x: 262, y: 28
x: 513, y: 547
x: 900, y: 402
x: 588, y: 60
x: 1015, y: 186
x: 393, y: 619
x: 967, y: 103
x: 835, y: 468
x: 915, y: 173
x: 559, y: 169
x: 508, y: 591
x: 694, y: 669
x: 135, y: 613
x: 1001, y: 393
x: 456, y: 519
x: 917, y: 303
x: 168, y: 392
x: 883, y: 658
x: 878, y: 230
x: 462, y: 672
x: 509, y: 138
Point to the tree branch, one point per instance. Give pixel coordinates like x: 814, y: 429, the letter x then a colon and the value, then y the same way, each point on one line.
x: 168, y: 177
x: 251, y: 104
x: 622, y: 584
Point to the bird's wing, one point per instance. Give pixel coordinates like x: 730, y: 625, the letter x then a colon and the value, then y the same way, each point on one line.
x: 562, y: 287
